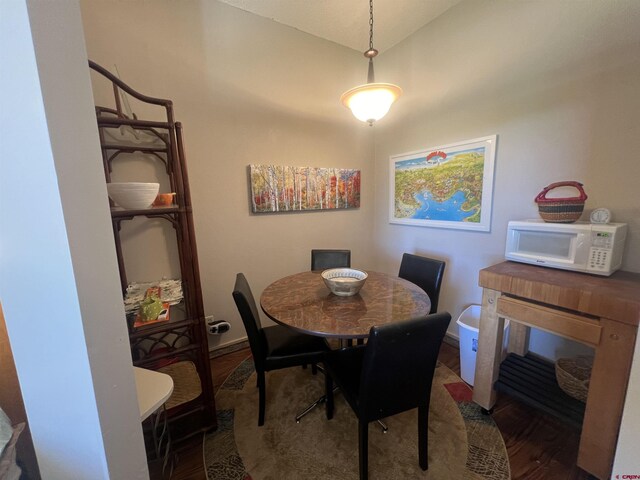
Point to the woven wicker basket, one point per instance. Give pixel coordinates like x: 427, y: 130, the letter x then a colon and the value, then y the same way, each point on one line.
x: 561, y: 210
x: 573, y: 376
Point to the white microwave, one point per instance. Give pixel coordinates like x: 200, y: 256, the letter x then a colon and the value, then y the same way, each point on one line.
x: 583, y: 247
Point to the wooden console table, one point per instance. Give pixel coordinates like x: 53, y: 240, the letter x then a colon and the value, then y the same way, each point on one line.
x: 601, y: 312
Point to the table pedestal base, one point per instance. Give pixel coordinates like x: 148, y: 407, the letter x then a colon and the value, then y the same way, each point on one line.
x: 319, y: 401
x: 322, y: 400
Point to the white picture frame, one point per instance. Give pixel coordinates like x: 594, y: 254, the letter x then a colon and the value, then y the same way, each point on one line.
x: 448, y: 186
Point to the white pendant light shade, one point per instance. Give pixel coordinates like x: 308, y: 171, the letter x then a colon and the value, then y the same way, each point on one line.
x: 371, y: 102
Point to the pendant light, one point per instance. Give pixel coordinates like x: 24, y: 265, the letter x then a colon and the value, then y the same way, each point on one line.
x: 371, y: 101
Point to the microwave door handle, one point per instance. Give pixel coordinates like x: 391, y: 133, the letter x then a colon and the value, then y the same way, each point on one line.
x: 582, y: 247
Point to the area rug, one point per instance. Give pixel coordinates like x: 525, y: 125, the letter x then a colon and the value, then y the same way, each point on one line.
x: 463, y: 443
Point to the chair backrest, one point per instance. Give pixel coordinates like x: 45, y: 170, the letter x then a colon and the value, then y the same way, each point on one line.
x: 251, y: 319
x: 323, y: 259
x: 399, y: 364
x: 426, y: 273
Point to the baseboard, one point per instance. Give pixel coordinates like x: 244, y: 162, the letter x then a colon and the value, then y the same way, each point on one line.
x: 244, y: 343
x: 229, y: 348
x: 452, y: 340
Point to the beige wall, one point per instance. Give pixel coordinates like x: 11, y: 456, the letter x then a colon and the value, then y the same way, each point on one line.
x: 556, y: 81
x: 248, y: 90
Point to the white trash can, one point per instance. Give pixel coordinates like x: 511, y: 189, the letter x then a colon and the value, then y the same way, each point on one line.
x: 468, y: 323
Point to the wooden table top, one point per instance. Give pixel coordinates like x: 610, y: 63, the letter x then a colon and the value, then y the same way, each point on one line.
x: 616, y: 297
x: 304, y: 303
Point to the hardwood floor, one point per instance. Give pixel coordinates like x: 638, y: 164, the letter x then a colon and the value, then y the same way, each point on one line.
x: 190, y: 465
x: 539, y: 446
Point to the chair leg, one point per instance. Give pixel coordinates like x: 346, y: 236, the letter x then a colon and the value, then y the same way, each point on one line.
x: 328, y: 387
x: 262, y: 395
x: 363, y: 447
x: 314, y: 369
x: 423, y: 434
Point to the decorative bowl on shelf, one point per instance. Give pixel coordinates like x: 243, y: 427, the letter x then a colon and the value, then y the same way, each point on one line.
x: 344, y: 282
x: 133, y: 195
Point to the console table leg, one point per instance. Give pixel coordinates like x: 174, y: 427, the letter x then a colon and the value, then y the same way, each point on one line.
x: 489, y: 355
x: 607, y: 391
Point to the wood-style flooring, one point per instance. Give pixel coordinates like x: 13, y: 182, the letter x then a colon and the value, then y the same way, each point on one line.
x: 539, y: 446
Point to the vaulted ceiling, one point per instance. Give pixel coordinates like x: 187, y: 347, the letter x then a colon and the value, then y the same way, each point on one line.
x: 346, y: 22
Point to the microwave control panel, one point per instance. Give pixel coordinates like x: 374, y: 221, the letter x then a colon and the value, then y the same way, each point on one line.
x: 599, y: 258
x: 600, y: 239
x: 601, y: 250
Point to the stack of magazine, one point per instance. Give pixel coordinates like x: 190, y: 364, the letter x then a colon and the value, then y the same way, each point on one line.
x: 168, y: 291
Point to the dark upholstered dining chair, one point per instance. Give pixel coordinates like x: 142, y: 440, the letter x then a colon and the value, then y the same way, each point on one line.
x: 323, y: 259
x: 424, y: 272
x: 273, y: 347
x: 391, y: 374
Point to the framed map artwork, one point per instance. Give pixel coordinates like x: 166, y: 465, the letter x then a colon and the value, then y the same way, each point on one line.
x: 449, y: 186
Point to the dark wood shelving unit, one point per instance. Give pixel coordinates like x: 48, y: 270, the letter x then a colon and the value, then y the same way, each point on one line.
x: 179, y: 346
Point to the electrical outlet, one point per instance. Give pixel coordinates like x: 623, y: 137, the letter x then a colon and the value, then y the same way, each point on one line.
x: 209, y: 319
x: 218, y: 327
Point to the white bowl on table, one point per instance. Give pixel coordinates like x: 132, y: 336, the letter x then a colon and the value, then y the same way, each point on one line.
x: 133, y: 195
x: 344, y: 282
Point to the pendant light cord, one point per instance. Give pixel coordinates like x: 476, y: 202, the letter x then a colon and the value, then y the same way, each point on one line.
x: 372, y: 52
x: 370, y: 24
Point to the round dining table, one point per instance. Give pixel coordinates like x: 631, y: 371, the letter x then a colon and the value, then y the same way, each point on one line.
x: 303, y: 302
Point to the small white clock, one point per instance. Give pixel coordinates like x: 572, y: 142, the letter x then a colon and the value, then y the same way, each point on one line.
x: 601, y: 215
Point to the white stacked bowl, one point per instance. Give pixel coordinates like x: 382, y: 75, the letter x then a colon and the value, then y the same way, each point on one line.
x: 133, y: 195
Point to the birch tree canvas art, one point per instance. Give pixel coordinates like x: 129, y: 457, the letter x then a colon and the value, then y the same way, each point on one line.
x: 277, y: 188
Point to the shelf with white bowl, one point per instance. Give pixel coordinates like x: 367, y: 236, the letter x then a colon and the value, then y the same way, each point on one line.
x: 183, y: 338
x: 119, y: 212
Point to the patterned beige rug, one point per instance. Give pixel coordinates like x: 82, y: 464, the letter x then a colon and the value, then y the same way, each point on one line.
x: 463, y: 443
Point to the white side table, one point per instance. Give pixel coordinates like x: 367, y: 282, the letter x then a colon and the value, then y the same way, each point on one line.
x: 154, y: 388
